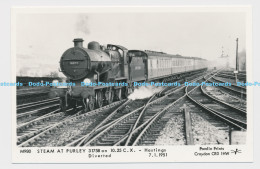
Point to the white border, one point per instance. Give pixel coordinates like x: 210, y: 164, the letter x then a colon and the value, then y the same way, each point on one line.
x: 5, y: 68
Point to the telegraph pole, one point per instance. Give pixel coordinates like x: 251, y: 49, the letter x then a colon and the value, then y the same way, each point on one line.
x: 237, y: 60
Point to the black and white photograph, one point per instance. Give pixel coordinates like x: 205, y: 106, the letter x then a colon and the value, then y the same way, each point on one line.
x: 135, y: 83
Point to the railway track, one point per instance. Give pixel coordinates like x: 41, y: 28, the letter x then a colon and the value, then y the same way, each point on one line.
x: 44, y: 129
x: 36, y: 123
x: 152, y: 131
x: 169, y: 89
x: 236, y: 116
x: 106, y: 118
x: 185, y: 123
x: 23, y: 117
x: 228, y: 103
x: 240, y: 89
x: 230, y: 114
x: 138, y: 122
x: 125, y: 129
x: 25, y: 96
x: 238, y: 92
x: 111, y: 119
x: 232, y: 76
x: 232, y: 81
x: 33, y: 105
x: 242, y: 73
x: 225, y: 97
x: 205, y: 128
x: 27, y: 130
x: 106, y: 121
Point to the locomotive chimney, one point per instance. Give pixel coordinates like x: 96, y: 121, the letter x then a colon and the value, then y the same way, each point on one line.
x: 78, y: 42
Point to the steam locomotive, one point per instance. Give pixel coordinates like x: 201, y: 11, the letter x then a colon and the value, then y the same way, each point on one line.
x: 115, y: 64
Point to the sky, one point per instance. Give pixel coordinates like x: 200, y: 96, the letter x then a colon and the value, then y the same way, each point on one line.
x: 41, y: 38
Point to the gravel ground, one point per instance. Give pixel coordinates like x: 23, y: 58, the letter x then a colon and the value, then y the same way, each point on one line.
x: 64, y: 134
x: 173, y: 133
x: 205, y: 133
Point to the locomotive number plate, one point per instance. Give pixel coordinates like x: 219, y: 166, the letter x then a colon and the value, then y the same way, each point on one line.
x: 74, y: 63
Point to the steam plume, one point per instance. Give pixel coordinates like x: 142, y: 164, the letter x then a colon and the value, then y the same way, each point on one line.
x: 82, y: 24
x: 144, y: 92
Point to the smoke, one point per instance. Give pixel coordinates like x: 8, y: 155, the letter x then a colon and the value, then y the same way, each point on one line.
x: 82, y: 24
x: 144, y: 92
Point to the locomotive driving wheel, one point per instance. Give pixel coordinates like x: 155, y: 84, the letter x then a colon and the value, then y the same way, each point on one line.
x: 110, y: 96
x: 91, y: 103
x: 99, y: 99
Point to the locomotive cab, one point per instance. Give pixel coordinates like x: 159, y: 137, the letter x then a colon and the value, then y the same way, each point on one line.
x: 122, y: 53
